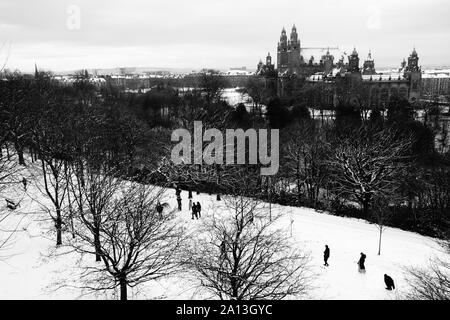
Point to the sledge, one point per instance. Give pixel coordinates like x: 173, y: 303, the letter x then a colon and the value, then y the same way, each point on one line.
x: 11, y: 204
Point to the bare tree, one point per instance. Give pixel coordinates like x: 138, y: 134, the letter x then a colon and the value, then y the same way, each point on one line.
x: 256, y: 89
x: 367, y: 163
x: 241, y: 256
x: 382, y: 214
x: 7, y: 176
x: 8, y: 167
x: 212, y: 85
x: 433, y: 282
x: 91, y: 189
x: 53, y: 138
x: 137, y: 244
x: 53, y: 186
x: 305, y: 155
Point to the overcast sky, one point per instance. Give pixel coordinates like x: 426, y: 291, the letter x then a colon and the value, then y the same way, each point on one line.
x: 213, y: 33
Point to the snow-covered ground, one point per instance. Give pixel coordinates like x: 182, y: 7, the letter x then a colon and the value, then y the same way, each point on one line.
x: 31, y: 267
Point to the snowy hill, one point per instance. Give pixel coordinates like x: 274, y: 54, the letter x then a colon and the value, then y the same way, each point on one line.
x: 31, y: 267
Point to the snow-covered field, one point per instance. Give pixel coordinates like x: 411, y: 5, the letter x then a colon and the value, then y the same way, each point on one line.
x: 31, y: 267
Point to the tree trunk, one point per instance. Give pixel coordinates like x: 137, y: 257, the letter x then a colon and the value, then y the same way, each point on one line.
x: 58, y: 227
x: 19, y: 151
x: 379, y: 241
x: 70, y: 213
x: 7, y: 152
x: 123, y: 288
x: 365, y: 207
x: 97, y: 244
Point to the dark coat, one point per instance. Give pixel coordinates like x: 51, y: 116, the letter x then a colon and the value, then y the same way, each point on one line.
x: 389, y: 282
x: 326, y: 253
x: 361, y: 261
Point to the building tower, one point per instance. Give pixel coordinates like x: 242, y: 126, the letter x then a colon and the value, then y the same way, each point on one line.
x: 414, y: 74
x: 282, y: 56
x: 413, y: 61
x: 369, y: 65
x: 403, y: 66
x: 328, y: 61
x: 294, y: 59
x: 259, y: 66
x: 353, y: 61
x: 268, y: 60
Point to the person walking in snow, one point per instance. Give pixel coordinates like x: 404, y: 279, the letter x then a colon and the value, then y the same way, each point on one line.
x: 24, y: 182
x: 194, y: 211
x: 159, y: 209
x: 389, y: 282
x: 361, y: 262
x: 179, y: 202
x: 199, y: 210
x: 326, y: 255
x: 190, y: 204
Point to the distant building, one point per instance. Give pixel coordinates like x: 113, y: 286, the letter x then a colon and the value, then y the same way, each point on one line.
x: 292, y: 68
x: 267, y: 69
x: 436, y: 83
x: 377, y: 87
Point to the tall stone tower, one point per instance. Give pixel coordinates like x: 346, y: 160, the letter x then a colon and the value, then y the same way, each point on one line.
x: 369, y: 65
x: 353, y: 61
x: 268, y: 59
x: 294, y: 59
x: 282, y: 52
x: 414, y: 74
x: 327, y: 61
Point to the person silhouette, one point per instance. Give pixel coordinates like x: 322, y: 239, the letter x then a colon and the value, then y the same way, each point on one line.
x: 389, y: 282
x: 326, y: 255
x: 361, y: 262
x: 199, y: 209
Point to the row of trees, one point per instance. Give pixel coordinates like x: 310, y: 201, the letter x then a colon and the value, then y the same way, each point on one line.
x: 82, y: 146
x: 88, y: 143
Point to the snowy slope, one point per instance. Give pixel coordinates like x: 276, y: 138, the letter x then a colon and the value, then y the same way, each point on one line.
x: 31, y: 268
